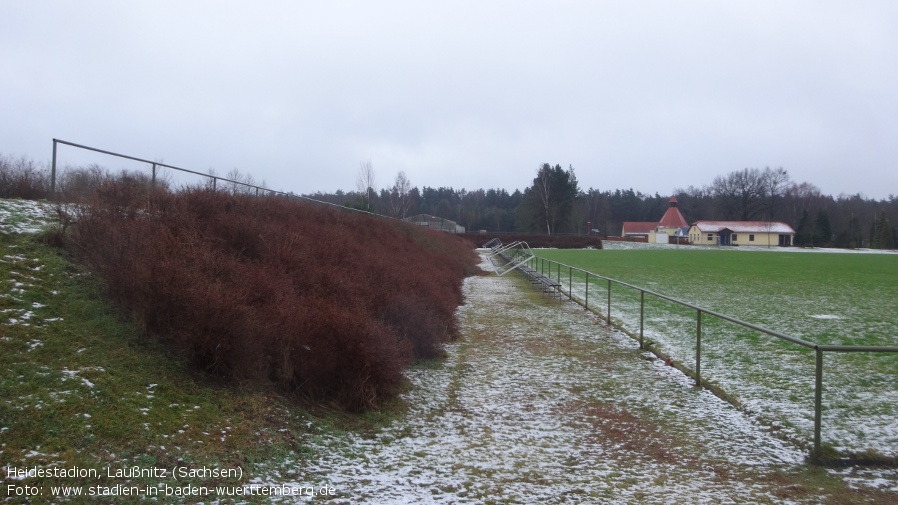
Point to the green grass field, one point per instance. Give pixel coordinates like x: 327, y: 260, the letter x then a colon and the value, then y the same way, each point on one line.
x: 826, y: 298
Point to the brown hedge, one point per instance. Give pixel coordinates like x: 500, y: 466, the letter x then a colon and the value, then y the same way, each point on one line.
x: 327, y: 303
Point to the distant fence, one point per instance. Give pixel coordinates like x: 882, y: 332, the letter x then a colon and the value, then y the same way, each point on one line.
x: 549, y: 267
x: 213, y: 179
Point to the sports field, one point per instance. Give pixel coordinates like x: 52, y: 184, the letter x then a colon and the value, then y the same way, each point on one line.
x: 826, y: 298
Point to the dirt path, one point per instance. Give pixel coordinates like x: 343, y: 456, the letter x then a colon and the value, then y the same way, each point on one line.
x: 537, y: 403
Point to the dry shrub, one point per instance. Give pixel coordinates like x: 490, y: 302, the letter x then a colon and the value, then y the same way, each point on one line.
x: 328, y: 303
x: 23, y: 178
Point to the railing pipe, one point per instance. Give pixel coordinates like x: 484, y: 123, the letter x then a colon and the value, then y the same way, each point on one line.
x: 53, y: 171
x: 698, y: 349
x: 570, y: 283
x: 818, y: 402
x: 641, y: 317
x: 586, y: 304
x: 608, y: 314
x: 125, y: 156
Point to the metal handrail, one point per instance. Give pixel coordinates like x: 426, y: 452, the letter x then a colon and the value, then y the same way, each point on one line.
x: 214, y: 178
x: 818, y: 348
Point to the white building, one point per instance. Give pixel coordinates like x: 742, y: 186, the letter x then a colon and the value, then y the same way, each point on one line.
x: 757, y: 233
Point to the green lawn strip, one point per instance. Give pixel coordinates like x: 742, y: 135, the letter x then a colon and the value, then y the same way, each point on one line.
x: 779, y: 289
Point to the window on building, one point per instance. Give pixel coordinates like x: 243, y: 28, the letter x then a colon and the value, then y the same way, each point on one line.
x: 735, y: 237
x: 751, y: 238
x: 710, y: 237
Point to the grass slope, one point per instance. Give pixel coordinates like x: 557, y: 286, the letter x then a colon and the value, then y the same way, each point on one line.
x: 83, y: 386
x: 80, y: 389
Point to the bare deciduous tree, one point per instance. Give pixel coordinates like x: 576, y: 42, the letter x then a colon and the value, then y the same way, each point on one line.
x: 365, y: 183
x: 750, y: 193
x: 400, y: 199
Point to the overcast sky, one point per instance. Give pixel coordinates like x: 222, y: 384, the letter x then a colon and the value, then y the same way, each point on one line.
x: 649, y: 95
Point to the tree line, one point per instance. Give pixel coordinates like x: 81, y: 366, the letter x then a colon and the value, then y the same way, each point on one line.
x: 554, y: 203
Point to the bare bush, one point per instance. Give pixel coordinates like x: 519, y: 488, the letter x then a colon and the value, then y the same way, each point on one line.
x: 324, y: 302
x: 23, y: 178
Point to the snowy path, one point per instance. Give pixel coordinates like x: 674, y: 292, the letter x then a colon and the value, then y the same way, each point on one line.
x: 538, y: 404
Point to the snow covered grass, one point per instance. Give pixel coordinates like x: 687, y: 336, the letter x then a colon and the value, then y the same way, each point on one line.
x: 539, y: 404
x: 824, y: 298
x: 24, y: 216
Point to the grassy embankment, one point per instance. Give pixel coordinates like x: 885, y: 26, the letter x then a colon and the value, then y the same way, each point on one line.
x: 88, y: 384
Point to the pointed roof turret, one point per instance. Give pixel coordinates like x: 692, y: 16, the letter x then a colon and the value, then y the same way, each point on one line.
x: 673, y: 218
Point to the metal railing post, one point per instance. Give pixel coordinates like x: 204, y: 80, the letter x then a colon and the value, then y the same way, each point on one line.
x: 698, y: 349
x: 53, y: 172
x: 641, y: 317
x: 570, y: 283
x: 586, y: 303
x: 153, y: 181
x: 818, y: 402
x: 609, y: 303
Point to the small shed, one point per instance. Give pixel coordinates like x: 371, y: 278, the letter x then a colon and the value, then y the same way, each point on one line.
x: 637, y: 229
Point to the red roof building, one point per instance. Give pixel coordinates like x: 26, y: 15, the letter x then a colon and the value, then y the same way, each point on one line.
x: 672, y: 223
x: 637, y: 228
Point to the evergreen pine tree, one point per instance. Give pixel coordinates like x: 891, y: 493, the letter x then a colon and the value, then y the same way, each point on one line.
x: 803, y: 233
x: 883, y: 238
x: 824, y: 231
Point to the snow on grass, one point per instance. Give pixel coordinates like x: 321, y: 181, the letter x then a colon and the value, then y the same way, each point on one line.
x: 25, y: 216
x: 771, y: 378
x: 538, y: 404
x: 615, y: 245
